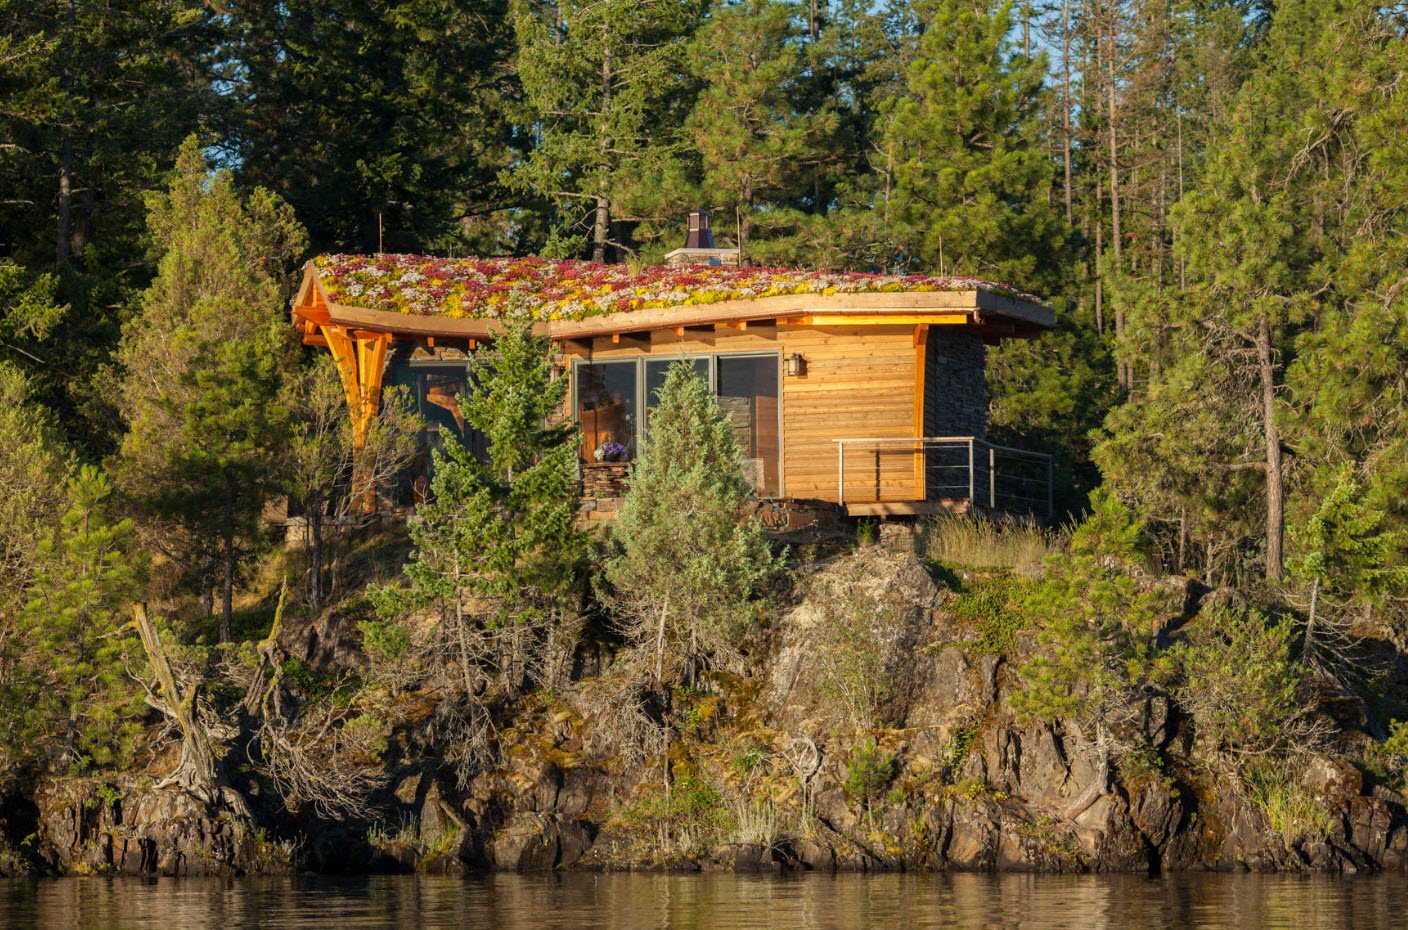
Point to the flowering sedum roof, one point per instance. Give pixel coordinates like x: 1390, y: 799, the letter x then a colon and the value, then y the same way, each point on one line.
x: 572, y: 290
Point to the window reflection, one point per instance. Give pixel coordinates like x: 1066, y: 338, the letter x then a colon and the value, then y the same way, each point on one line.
x: 437, y: 391
x: 606, y: 407
x: 747, y: 391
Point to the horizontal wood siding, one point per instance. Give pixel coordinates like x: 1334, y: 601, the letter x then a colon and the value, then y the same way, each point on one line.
x: 859, y: 383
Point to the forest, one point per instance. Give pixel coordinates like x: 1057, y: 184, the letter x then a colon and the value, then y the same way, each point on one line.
x: 1212, y: 194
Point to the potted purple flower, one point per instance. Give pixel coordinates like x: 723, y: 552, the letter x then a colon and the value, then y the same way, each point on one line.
x: 611, y: 452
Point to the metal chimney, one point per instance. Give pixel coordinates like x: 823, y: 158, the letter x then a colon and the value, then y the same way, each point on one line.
x: 701, y: 233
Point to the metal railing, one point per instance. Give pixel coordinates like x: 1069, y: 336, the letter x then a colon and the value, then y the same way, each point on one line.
x: 951, y: 468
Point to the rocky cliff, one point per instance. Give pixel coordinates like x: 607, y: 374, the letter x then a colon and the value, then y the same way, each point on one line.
x: 766, y: 773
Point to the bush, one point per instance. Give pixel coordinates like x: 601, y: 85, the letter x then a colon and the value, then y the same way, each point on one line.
x: 1241, y: 687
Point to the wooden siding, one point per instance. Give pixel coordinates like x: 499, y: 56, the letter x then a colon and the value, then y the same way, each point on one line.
x: 859, y: 382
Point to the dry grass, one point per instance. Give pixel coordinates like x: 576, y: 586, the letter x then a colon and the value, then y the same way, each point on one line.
x: 978, y: 543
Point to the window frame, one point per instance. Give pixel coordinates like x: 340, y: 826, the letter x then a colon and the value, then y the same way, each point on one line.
x: 712, y: 358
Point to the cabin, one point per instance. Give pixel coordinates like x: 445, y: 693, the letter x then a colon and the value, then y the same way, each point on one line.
x: 862, y: 394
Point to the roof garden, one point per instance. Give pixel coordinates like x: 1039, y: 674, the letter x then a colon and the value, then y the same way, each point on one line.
x: 475, y: 288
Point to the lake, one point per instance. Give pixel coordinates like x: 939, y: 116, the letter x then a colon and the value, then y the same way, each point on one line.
x: 718, y: 901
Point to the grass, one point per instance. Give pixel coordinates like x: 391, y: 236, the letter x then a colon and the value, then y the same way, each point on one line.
x: 977, y: 543
x: 1287, y: 807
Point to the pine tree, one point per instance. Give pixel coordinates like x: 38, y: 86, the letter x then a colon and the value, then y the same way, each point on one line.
x: 688, y: 565
x: 497, y: 553
x: 1099, y: 635
x: 80, y: 701
x: 756, y: 142
x: 203, y: 369
x: 603, y: 86
x: 971, y: 177
x: 424, y: 89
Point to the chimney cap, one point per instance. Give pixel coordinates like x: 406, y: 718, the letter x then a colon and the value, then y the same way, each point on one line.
x: 701, y: 235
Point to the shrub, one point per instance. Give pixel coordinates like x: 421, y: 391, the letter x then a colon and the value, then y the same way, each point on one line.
x: 1241, y: 687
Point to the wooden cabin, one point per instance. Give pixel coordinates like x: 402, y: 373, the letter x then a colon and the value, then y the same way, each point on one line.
x: 866, y: 391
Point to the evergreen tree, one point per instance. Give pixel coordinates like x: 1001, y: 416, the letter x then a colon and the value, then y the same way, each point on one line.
x: 971, y: 177
x: 604, y: 88
x: 756, y: 141
x: 203, y: 366
x: 97, y: 98
x: 497, y: 553
x: 76, y: 697
x: 384, y: 126
x: 688, y: 565
x: 1100, y: 633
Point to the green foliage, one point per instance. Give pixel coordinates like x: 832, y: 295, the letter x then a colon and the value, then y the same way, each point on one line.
x: 1286, y: 805
x: 971, y: 176
x: 987, y: 605
x: 1241, y: 687
x: 751, y: 124
x: 497, y: 551
x: 1099, y: 635
x: 604, y: 84
x: 204, y: 362
x: 71, y: 698
x: 869, y: 772
x: 1347, y: 549
x: 687, y: 567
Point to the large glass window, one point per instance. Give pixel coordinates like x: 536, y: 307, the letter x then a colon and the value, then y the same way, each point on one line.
x: 747, y: 391
x: 435, y: 389
x: 655, y: 371
x: 609, y: 393
x: 606, y: 406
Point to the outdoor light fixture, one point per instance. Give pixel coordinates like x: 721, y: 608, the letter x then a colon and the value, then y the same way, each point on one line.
x: 795, y: 364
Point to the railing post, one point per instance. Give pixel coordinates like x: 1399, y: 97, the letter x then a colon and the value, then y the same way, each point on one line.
x: 992, y: 478
x: 971, y: 502
x: 841, y: 473
x: 1050, y: 490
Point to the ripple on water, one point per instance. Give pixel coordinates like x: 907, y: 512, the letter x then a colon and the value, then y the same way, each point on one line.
x: 708, y: 902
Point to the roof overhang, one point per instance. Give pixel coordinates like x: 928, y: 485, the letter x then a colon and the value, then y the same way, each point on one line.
x: 997, y: 316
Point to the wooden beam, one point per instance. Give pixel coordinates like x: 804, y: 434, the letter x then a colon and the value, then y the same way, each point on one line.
x: 921, y: 359
x: 740, y: 325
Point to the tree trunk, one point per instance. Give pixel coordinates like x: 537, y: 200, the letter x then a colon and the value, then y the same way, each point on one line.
x: 1100, y: 782
x: 660, y: 644
x: 1122, y: 367
x: 65, y: 231
x: 1099, y: 254
x: 1066, y: 102
x: 196, y: 771
x: 601, y: 227
x: 462, y: 638
x: 314, y: 517
x: 1275, y: 486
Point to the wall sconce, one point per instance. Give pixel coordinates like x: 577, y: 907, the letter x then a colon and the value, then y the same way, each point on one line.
x: 796, y: 365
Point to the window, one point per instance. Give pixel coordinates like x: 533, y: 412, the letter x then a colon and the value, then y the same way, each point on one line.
x: 606, y: 405
x: 747, y: 392
x: 609, y: 393
x: 435, y: 390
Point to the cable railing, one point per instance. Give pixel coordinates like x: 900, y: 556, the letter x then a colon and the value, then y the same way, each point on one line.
x: 944, y: 468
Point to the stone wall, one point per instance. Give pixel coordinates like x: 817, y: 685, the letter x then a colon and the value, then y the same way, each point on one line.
x: 603, y: 486
x: 955, y: 392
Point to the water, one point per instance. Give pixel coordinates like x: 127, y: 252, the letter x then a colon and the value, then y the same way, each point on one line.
x: 717, y: 902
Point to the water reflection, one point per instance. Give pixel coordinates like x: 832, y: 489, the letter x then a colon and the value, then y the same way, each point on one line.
x: 717, y: 902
